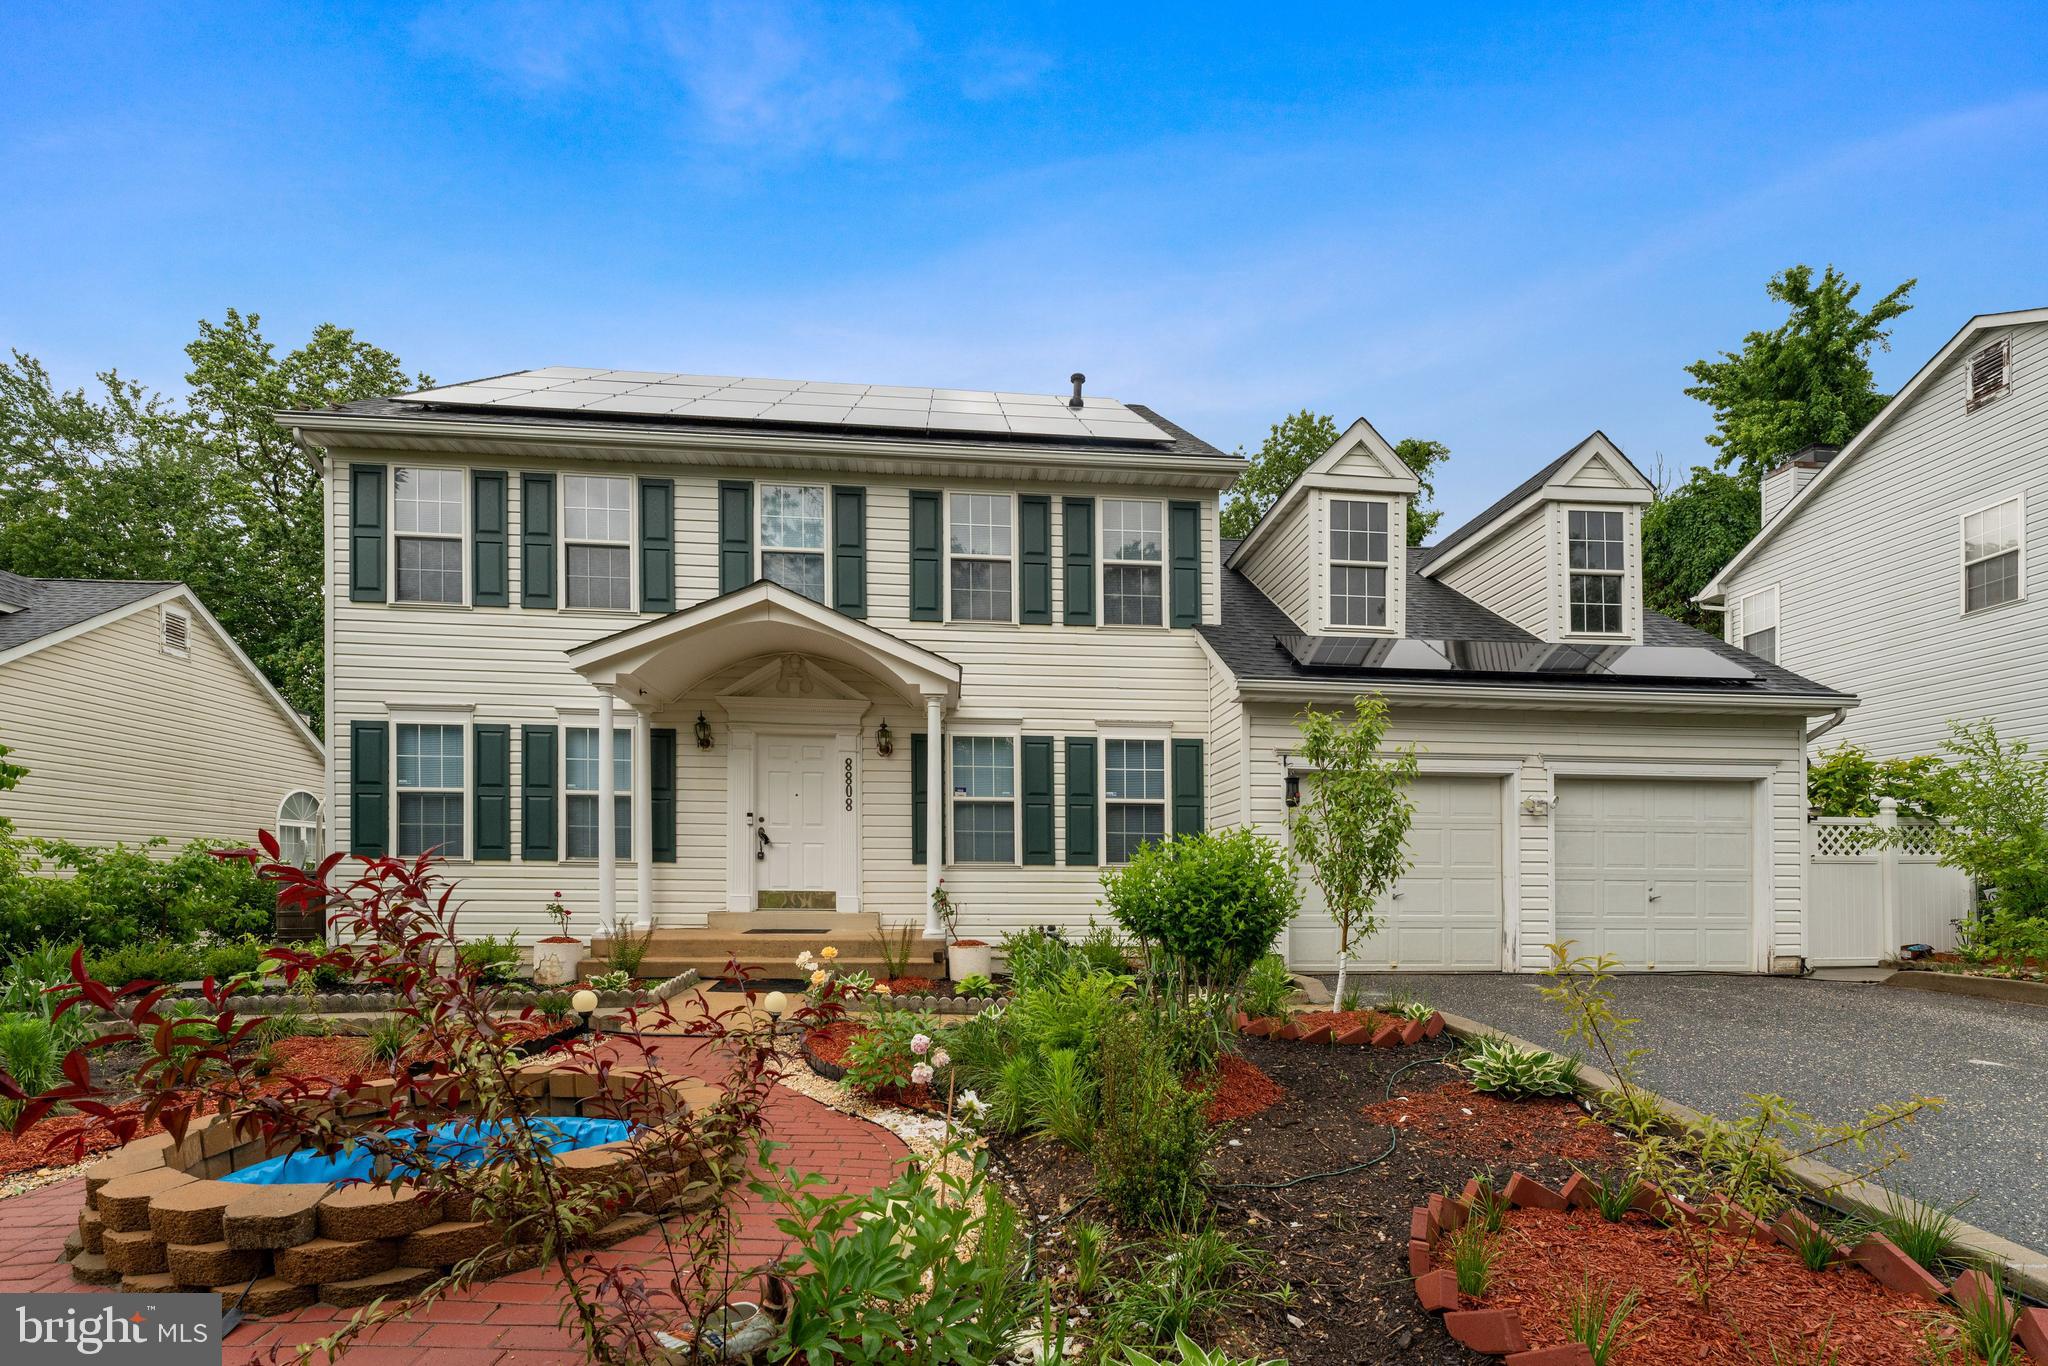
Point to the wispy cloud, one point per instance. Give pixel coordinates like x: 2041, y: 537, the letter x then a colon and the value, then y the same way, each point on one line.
x: 995, y: 71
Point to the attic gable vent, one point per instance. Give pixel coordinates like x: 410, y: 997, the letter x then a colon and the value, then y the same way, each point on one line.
x: 1990, y: 373
x: 177, y: 632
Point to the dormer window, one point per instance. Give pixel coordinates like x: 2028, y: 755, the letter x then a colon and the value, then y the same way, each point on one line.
x: 1598, y: 565
x: 1358, y: 562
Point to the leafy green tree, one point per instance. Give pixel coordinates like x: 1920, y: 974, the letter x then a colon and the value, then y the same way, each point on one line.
x: 123, y: 483
x: 1806, y: 382
x: 1846, y: 781
x: 1992, y: 794
x: 10, y: 777
x: 1688, y: 534
x: 1293, y: 444
x: 1351, y: 827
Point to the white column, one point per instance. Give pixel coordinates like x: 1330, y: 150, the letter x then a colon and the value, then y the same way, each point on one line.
x: 607, y: 848
x: 934, y: 810
x: 643, y: 818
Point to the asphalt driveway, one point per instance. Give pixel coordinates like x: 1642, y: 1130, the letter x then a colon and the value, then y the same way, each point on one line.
x: 1834, y: 1049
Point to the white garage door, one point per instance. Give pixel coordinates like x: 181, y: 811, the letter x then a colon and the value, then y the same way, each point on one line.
x: 1446, y: 912
x: 1657, y: 873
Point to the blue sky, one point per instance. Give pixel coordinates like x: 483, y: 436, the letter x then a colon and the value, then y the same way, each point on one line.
x: 1500, y: 227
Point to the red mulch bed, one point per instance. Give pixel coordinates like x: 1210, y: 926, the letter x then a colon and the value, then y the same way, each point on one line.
x: 1456, y: 1117
x: 1242, y: 1090
x: 1770, y: 1298
x: 831, y: 1042
x: 1345, y: 1020
x: 909, y: 986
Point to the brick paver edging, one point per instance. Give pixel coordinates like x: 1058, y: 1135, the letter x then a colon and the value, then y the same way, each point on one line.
x: 1395, y: 1034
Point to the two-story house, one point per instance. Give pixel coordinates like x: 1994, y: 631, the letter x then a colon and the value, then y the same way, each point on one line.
x: 847, y: 640
x: 1898, y: 565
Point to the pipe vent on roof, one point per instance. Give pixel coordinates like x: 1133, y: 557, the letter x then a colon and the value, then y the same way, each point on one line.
x: 1079, y: 379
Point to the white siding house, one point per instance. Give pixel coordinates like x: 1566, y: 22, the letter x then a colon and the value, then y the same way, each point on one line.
x: 138, y: 717
x: 1901, y: 567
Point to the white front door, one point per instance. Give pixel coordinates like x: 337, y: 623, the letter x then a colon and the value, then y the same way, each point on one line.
x: 797, y: 828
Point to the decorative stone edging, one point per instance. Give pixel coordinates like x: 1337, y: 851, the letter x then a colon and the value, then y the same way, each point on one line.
x: 1396, y: 1034
x: 930, y: 1004
x: 384, y: 1002
x: 1499, y: 1332
x: 830, y: 1071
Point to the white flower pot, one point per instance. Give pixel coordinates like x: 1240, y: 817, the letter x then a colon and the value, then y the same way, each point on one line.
x: 557, y: 962
x: 969, y: 958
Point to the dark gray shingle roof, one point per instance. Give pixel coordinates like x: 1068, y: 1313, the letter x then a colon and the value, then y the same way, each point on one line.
x: 1474, y: 525
x: 50, y: 605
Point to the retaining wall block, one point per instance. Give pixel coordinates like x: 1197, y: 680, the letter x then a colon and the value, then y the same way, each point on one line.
x: 1448, y: 1214
x: 266, y: 1296
x: 133, y: 1253
x: 1358, y: 1036
x: 1321, y: 1033
x: 215, y: 1263
x: 1289, y: 1031
x: 192, y: 1213
x: 273, y: 1216
x: 330, y: 1259
x: 90, y: 1268
x: 89, y: 1229
x: 1496, y: 1331
x: 1258, y: 1028
x: 150, y: 1283
x: 354, y: 1213
x: 398, y: 1280
x: 140, y: 1155
x: 1881, y: 1257
x: 1438, y: 1291
x: 1524, y: 1193
x: 124, y: 1201
x: 446, y: 1243
x: 1973, y: 1288
x: 1578, y: 1191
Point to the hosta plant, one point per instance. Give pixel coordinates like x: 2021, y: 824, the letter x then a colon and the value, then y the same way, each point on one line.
x: 1512, y: 1072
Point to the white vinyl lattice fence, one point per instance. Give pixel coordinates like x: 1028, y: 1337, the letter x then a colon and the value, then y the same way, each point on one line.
x: 1866, y: 895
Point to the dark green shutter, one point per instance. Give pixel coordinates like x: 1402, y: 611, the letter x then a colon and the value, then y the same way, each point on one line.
x: 1184, y: 550
x: 1079, y: 585
x: 1080, y: 800
x: 538, y: 747
x: 657, y: 545
x: 735, y: 534
x: 1036, y: 785
x: 1187, y: 787
x: 366, y: 553
x: 850, y: 550
x: 493, y: 793
x: 927, y: 530
x: 920, y: 750
x: 369, y: 788
x: 537, y: 540
x: 487, y: 546
x: 1034, y: 547
x: 661, y: 791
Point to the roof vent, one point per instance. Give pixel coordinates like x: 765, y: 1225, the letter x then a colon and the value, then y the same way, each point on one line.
x: 1079, y: 379
x: 1990, y: 373
x: 177, y: 632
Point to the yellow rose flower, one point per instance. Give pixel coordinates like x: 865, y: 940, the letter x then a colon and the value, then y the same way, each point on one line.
x: 882, y: 989
x: 818, y: 978
x: 828, y: 953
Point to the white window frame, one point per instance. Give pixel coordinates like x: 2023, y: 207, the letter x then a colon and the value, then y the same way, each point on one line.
x: 1104, y: 801
x: 319, y: 830
x: 1963, y: 560
x: 1332, y: 564
x: 630, y: 545
x: 953, y: 797
x: 466, y: 503
x: 621, y: 792
x: 1971, y: 401
x: 946, y: 536
x: 1103, y: 561
x: 1624, y: 575
x: 461, y: 721
x: 762, y: 550
x: 1743, y: 617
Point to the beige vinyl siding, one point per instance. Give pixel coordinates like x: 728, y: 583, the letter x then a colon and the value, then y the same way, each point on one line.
x: 124, y: 742
x: 1596, y: 473
x: 1532, y: 740
x: 1283, y: 565
x: 1225, y: 770
x: 1512, y: 575
x: 1869, y: 569
x: 509, y: 666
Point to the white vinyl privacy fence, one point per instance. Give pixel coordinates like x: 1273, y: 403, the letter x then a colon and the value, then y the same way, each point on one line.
x: 1866, y: 896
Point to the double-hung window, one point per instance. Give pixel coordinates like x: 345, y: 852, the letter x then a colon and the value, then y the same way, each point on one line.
x: 980, y: 538
x: 1598, y: 568
x: 431, y: 791
x: 1133, y: 561
x: 426, y: 507
x: 984, y: 799
x: 597, y: 542
x: 1358, y: 562
x: 793, y: 538
x: 1759, y: 622
x: 581, y: 779
x: 1992, y: 540
x: 1133, y: 796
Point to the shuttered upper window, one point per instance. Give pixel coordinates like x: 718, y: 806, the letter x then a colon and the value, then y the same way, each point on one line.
x: 981, y: 544
x: 427, y: 523
x: 1993, y: 541
x: 1133, y: 562
x: 1990, y: 373
x: 793, y: 538
x: 597, y: 542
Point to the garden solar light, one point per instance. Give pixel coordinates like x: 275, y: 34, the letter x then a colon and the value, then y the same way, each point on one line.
x: 775, y: 1003
x: 584, y: 1003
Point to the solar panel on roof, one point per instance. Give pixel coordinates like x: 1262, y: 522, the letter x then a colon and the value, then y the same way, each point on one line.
x: 731, y: 398
x: 1658, y: 663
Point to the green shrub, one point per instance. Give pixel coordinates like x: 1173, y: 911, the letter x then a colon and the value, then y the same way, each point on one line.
x: 1846, y: 781
x: 885, y: 1055
x: 232, y: 959
x: 1149, y: 1152
x: 2003, y: 938
x: 31, y: 1052
x: 1035, y: 958
x: 1993, y: 797
x: 104, y: 897
x: 1267, y: 987
x: 149, y: 960
x: 494, y: 959
x: 1211, y: 904
x: 1508, y: 1070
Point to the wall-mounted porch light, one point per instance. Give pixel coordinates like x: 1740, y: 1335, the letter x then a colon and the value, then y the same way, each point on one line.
x: 703, y: 732
x: 1294, y: 789
x: 885, y: 740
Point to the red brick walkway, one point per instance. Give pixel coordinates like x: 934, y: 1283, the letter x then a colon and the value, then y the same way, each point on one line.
x: 511, y: 1321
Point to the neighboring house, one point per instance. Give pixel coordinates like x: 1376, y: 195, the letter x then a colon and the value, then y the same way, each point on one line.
x: 1899, y: 565
x: 851, y: 639
x: 136, y: 716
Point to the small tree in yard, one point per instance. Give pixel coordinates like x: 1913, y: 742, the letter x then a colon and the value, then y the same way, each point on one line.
x: 1351, y: 828
x: 1993, y: 798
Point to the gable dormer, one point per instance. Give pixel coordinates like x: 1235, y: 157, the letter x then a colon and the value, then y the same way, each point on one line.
x: 1561, y: 556
x: 1332, y: 552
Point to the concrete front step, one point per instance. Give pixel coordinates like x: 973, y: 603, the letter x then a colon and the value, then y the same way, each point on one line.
x: 779, y: 967
x: 770, y: 941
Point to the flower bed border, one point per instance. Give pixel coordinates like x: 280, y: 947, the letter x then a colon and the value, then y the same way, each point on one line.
x: 1400, y: 1034
x: 1499, y: 1332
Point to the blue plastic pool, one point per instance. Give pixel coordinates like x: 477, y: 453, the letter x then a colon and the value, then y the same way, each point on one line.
x: 458, y: 1142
